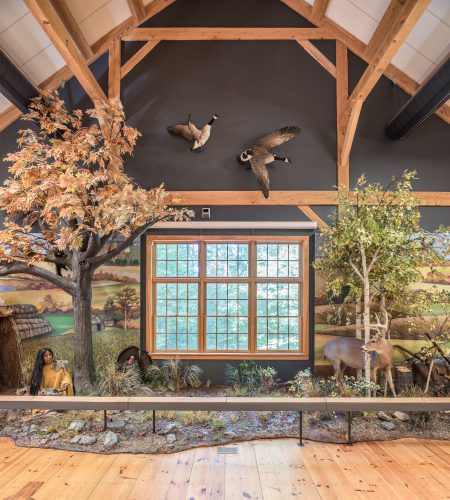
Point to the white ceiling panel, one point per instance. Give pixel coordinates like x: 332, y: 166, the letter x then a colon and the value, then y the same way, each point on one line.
x: 430, y: 37
x: 24, y: 39
x: 412, y: 63
x: 11, y: 11
x: 441, y: 9
x: 82, y: 9
x: 4, y: 103
x: 43, y: 65
x: 310, y: 2
x: 351, y: 18
x: 105, y: 19
x: 374, y: 8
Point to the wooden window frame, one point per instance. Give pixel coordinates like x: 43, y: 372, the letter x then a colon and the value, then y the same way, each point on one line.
x: 201, y: 353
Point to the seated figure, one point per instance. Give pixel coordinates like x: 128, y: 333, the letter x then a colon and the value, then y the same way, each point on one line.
x: 50, y: 374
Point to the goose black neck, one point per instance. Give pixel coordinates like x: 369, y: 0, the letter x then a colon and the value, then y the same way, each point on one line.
x: 279, y: 158
x: 211, y: 121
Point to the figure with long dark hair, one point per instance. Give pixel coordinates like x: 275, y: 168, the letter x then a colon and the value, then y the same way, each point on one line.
x: 50, y: 374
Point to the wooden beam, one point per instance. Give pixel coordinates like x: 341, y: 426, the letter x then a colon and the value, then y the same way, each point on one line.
x: 318, y: 10
x: 343, y: 168
x: 350, y: 129
x: 137, y: 57
x: 396, y: 24
x: 114, y: 70
x: 137, y: 9
x: 52, y: 24
x: 143, y: 34
x: 314, y: 52
x: 357, y: 47
x: 311, y: 214
x: 10, y: 115
x: 286, y: 198
x: 72, y: 27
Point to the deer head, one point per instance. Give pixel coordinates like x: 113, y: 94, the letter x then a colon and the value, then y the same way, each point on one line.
x: 376, y: 344
x: 380, y: 328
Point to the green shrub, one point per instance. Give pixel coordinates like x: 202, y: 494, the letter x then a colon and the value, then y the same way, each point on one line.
x: 249, y: 378
x: 114, y: 382
x: 174, y: 375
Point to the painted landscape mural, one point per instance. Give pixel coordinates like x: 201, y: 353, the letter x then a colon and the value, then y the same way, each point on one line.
x: 45, y: 317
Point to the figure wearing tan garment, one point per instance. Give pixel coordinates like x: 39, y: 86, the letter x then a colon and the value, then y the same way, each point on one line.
x: 50, y: 374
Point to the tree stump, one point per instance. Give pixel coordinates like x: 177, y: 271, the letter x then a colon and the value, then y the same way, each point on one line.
x: 403, y: 377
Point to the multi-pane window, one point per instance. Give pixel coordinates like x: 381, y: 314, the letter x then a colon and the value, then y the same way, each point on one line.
x: 238, y: 296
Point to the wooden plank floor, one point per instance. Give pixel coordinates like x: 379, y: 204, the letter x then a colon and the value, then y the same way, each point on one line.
x: 270, y: 470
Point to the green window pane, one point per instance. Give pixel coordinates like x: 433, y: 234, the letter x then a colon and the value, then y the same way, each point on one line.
x: 232, y: 342
x: 283, y: 340
x: 222, y: 252
x: 172, y: 252
x: 233, y: 308
x: 182, y: 252
x: 283, y: 325
x: 182, y: 308
x: 261, y: 271
x: 283, y: 252
x: 283, y: 290
x: 221, y: 269
x: 192, y: 342
x: 232, y: 268
x: 161, y: 325
x: 172, y: 325
x: 261, y: 307
x: 171, y: 290
x: 293, y: 252
x: 222, y: 341
x: 211, y: 252
x: 283, y: 269
x: 193, y: 251
x: 161, y: 307
x: 211, y: 342
x: 211, y: 326
x: 232, y: 325
x: 293, y: 308
x: 211, y: 268
x: 243, y: 325
x: 261, y: 291
x: 171, y: 308
x: 243, y: 342
x: 242, y: 269
x: 272, y: 342
x: 262, y: 342
x: 261, y: 252
x: 181, y: 325
x: 293, y: 291
x: 272, y: 325
x: 222, y: 325
x: 242, y: 307
x: 222, y: 291
x: 293, y: 269
x: 171, y: 342
x: 293, y: 325
x: 192, y: 307
x: 161, y: 252
x: 161, y: 290
x: 182, y: 269
x: 182, y: 290
x: 232, y: 252
x: 261, y: 325
x: 192, y: 325
x: 193, y: 290
x: 181, y: 342
x: 293, y: 341
x: 192, y: 268
x: 243, y: 252
x: 232, y: 290
x: 171, y: 268
x: 161, y: 269
x: 272, y: 251
x: 272, y: 307
x: 211, y: 307
x: 211, y: 291
x: 160, y: 341
x: 243, y: 291
x: 283, y: 309
x: 226, y: 260
x: 222, y: 307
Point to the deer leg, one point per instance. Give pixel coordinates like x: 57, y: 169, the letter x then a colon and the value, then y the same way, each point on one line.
x: 388, y: 373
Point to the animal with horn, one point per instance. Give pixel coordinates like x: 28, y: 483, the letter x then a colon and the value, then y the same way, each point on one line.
x: 350, y: 351
x: 260, y: 155
x: 197, y: 137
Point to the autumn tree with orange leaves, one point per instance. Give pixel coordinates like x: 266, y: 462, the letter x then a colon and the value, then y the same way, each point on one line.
x: 70, y: 204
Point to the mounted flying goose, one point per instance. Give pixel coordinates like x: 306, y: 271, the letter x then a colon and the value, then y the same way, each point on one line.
x: 190, y: 132
x: 259, y: 155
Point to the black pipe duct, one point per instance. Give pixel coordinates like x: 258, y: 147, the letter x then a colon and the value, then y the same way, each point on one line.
x: 428, y: 98
x: 14, y: 85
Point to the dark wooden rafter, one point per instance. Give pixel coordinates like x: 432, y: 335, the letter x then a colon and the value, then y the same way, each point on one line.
x: 99, y: 48
x: 318, y: 9
x: 395, y: 26
x: 114, y: 70
x: 72, y: 27
x: 206, y: 33
x: 137, y: 9
x: 359, y: 48
x: 51, y: 23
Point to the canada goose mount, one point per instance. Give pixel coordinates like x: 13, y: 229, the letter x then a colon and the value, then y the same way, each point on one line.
x: 260, y: 155
x: 197, y: 137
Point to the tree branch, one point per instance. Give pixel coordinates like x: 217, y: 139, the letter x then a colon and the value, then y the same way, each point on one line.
x: 23, y: 268
x: 356, y: 270
x: 101, y: 259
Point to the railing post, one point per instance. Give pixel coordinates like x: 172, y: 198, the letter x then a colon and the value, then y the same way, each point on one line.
x: 105, y: 420
x: 300, y: 425
x: 154, y: 421
x: 349, y: 430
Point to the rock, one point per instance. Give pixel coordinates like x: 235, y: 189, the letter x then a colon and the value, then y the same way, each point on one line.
x: 110, y: 439
x: 43, y: 441
x: 44, y: 430
x: 116, y: 424
x: 171, y: 438
x: 404, y: 417
x: 384, y: 416
x: 389, y: 426
x: 169, y: 428
x: 34, y: 428
x: 75, y: 439
x: 77, y: 425
x: 54, y: 436
x: 87, y: 440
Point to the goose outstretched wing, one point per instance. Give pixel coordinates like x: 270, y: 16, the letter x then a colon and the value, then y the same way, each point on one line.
x: 261, y: 174
x: 277, y: 137
x: 185, y: 131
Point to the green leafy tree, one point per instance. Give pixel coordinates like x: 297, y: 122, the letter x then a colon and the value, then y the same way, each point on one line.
x: 375, y: 244
x: 126, y: 301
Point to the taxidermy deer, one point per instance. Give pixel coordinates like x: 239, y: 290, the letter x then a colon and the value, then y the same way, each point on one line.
x: 259, y: 155
x: 349, y: 351
x: 188, y: 131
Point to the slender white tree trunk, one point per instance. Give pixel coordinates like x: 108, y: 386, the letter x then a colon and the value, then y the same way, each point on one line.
x: 366, y: 294
x: 358, y: 329
x: 383, y: 314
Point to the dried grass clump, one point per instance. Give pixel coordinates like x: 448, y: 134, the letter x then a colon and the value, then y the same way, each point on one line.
x: 174, y: 375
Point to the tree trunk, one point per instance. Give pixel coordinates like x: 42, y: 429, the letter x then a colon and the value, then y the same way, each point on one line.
x: 366, y: 285
x: 358, y: 329
x: 383, y: 314
x: 84, y: 371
